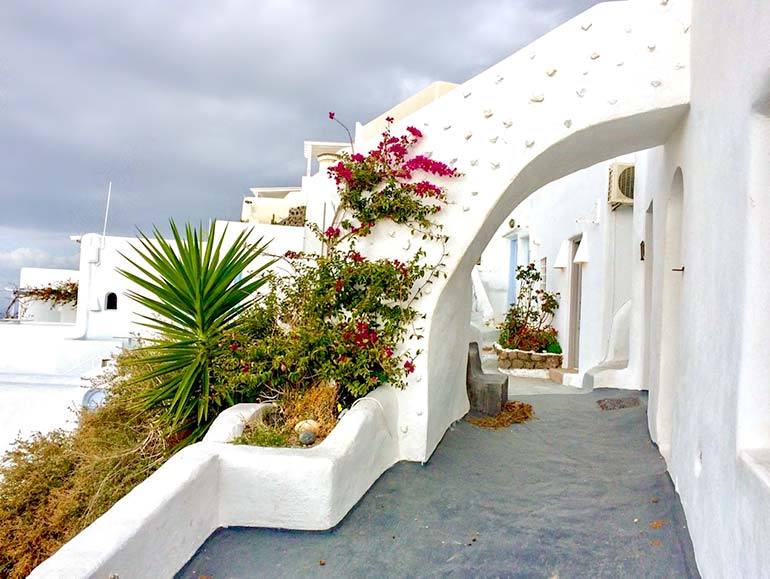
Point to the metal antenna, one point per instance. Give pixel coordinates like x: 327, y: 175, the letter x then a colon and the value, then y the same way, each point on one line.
x: 107, y: 211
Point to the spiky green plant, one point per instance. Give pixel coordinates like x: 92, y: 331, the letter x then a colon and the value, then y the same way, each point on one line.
x: 197, y: 289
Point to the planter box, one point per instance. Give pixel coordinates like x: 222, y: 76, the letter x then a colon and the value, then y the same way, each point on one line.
x: 526, y: 363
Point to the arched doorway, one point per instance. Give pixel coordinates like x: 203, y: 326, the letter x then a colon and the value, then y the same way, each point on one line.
x: 648, y: 256
x: 662, y: 396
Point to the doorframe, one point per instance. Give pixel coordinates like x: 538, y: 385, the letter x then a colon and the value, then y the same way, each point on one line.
x: 575, y: 304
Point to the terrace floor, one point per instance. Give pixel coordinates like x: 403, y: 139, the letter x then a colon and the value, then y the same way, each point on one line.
x: 30, y: 403
x: 578, y: 492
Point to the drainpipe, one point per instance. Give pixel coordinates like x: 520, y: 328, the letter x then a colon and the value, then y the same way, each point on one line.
x: 90, y: 253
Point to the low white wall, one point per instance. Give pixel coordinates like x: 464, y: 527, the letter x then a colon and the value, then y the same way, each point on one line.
x: 155, y: 529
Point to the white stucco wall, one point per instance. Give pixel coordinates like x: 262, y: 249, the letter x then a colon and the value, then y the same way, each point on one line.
x: 101, y: 257
x: 48, y: 348
x: 711, y: 416
x: 36, y: 406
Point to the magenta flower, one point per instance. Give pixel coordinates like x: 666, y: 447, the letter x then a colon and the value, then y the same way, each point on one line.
x: 332, y: 232
x: 415, y: 132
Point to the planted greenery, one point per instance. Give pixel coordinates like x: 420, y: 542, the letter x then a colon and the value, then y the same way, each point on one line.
x: 197, y: 290
x: 527, y: 324
x: 340, y: 318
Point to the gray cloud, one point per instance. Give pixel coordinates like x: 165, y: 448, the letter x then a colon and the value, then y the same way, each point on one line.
x: 184, y: 104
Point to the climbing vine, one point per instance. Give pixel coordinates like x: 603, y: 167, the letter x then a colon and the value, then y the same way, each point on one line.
x: 60, y: 294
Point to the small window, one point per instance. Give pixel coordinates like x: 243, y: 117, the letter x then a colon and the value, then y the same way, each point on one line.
x: 543, y: 272
x: 112, y: 301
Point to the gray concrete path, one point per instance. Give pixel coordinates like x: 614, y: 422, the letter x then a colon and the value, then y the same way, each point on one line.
x: 571, y: 494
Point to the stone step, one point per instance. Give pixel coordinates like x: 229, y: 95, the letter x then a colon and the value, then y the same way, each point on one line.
x: 557, y: 374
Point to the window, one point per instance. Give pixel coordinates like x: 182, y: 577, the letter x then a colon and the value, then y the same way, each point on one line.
x: 111, y: 301
x: 543, y: 268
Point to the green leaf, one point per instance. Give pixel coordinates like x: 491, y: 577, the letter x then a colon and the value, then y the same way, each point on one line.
x: 195, y: 288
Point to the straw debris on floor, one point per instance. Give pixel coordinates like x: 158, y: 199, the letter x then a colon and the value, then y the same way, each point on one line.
x: 514, y: 412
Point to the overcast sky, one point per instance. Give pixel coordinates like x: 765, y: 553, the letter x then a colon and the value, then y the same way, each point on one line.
x: 185, y: 104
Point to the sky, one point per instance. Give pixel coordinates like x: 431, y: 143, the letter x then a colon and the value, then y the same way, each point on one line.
x: 185, y: 104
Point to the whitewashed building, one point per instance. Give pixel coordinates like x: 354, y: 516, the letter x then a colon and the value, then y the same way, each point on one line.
x: 686, y: 87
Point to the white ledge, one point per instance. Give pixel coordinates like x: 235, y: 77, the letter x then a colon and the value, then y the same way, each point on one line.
x: 155, y: 529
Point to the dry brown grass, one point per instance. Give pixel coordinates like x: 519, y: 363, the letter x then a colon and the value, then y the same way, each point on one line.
x: 54, y: 485
x: 317, y: 403
x: 514, y: 412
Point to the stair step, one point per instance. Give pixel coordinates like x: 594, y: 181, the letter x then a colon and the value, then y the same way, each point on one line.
x: 557, y: 374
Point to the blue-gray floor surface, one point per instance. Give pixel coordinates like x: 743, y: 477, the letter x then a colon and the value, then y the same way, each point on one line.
x: 578, y: 492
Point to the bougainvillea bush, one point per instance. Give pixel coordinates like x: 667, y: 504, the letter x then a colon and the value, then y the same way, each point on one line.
x: 341, y: 318
x: 527, y: 324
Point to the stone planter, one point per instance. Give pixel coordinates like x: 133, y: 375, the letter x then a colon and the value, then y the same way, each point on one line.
x: 525, y: 363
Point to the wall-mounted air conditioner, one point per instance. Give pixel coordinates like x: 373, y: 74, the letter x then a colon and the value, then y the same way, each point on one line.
x: 621, y: 185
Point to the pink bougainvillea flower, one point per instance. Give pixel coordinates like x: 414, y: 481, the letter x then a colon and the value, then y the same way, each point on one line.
x: 338, y: 285
x: 408, y: 366
x: 340, y: 173
x: 415, y: 132
x: 332, y: 232
x: 355, y: 256
x: 357, y: 157
x: 234, y: 346
x: 388, y: 351
x: 331, y: 115
x: 389, y: 119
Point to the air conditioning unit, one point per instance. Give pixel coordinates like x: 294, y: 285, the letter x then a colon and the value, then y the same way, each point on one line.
x: 621, y: 185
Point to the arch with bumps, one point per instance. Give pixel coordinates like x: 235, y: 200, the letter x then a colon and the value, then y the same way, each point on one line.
x: 612, y: 81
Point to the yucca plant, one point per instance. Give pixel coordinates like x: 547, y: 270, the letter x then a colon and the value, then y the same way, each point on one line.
x: 197, y: 289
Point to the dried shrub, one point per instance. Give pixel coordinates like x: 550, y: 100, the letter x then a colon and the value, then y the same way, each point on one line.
x: 514, y: 412
x: 52, y: 486
x: 276, y: 428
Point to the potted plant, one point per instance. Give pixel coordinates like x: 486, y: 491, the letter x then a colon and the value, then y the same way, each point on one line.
x: 527, y: 340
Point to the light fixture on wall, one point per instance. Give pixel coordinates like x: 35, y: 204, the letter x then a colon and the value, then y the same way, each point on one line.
x: 562, y: 258
x: 581, y: 256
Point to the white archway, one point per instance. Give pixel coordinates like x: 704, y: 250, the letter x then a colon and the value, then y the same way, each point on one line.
x: 611, y: 81
x: 663, y: 389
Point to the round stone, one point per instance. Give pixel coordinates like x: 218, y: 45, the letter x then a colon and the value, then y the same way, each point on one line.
x: 310, y: 425
x: 306, y: 438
